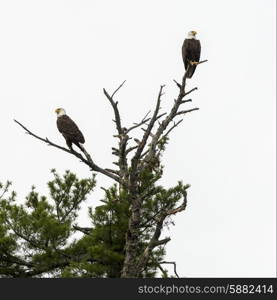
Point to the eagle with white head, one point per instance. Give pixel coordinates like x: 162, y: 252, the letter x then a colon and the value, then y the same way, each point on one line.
x: 69, y: 130
x: 191, y: 50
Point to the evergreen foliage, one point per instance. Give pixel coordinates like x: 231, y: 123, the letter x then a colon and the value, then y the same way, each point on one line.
x: 38, y: 237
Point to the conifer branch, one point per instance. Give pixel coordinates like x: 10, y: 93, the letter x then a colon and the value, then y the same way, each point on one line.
x: 5, y: 189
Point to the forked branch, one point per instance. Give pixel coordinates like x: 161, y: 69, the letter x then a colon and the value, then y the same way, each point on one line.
x: 148, y: 129
x: 170, y: 117
x: 115, y: 108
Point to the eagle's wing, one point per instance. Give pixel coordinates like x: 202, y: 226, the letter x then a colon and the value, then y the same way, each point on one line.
x: 185, y: 52
x: 197, y: 50
x: 69, y: 129
x: 191, y: 50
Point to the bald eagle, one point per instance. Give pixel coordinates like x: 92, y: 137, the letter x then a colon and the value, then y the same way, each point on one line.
x: 191, y: 53
x: 69, y: 130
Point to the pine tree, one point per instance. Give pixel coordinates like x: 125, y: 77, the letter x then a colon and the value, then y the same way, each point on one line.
x: 38, y: 238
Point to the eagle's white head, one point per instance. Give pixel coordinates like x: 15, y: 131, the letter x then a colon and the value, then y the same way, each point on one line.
x: 192, y: 34
x: 60, y: 112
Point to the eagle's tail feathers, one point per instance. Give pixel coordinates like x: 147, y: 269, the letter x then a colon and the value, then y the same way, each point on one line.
x: 82, y: 148
x: 190, y: 71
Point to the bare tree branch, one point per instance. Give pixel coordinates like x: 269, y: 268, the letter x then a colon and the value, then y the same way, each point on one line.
x: 85, y: 230
x: 136, y: 125
x: 122, y: 135
x: 118, y: 88
x: 170, y: 129
x: 202, y: 61
x: 161, y: 242
x: 112, y: 171
x: 131, y: 149
x: 185, y: 101
x: 115, y: 108
x: 148, y: 130
x: 172, y: 263
x: 186, y: 111
x: 90, y: 163
x: 190, y: 91
x: 180, y: 85
x: 173, y: 113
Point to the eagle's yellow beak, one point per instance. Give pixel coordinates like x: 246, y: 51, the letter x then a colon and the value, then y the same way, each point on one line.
x: 57, y: 110
x: 194, y: 32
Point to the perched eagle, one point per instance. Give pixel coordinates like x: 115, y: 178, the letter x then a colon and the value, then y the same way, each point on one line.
x: 69, y: 129
x: 191, y: 53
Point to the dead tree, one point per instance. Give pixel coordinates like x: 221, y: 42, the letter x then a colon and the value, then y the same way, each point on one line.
x: 133, y: 157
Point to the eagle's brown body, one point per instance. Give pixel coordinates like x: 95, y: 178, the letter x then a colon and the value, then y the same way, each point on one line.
x: 191, y: 50
x: 70, y: 131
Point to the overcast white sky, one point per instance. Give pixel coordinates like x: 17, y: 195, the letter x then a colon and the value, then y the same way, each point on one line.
x: 62, y: 53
